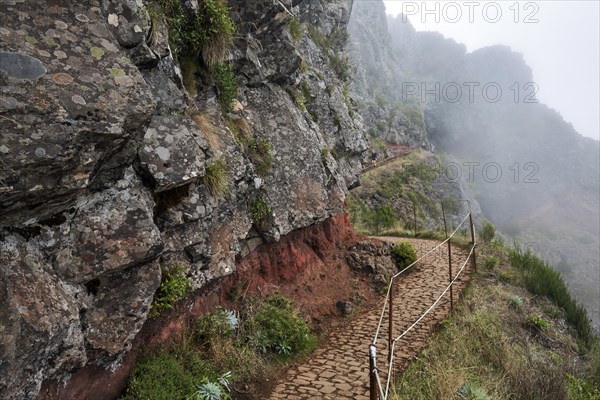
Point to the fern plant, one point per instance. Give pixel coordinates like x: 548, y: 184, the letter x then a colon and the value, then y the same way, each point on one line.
x: 174, y: 287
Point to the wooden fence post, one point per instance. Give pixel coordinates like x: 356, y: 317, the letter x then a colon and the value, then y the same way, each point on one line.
x: 474, y: 260
x: 373, y: 395
x: 415, y: 217
x: 449, y: 257
x: 390, y: 319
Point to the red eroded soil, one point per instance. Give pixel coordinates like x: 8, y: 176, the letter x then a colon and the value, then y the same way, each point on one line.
x: 308, y: 266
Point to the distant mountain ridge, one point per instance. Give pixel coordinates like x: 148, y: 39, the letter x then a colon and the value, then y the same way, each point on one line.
x: 534, y: 175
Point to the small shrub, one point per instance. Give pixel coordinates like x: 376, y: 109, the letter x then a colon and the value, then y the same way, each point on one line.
x: 168, y: 375
x: 217, y: 30
x: 488, y: 231
x: 538, y: 322
x: 337, y: 122
x: 236, y: 290
x: 220, y: 322
x: 403, y: 255
x: 174, y: 287
x: 490, y: 262
x: 208, y: 34
x: 378, y: 144
x: 282, y: 331
x: 261, y: 211
x: 251, y: 342
x: 346, y: 93
x: 258, y: 150
x: 303, y: 66
x: 216, y: 177
x: 226, y: 84
x: 299, y: 99
x: 318, y: 38
x: 515, y: 302
x: 580, y: 389
x: 241, y: 129
x: 452, y: 205
x: 551, y: 310
x: 306, y: 93
x: 541, y: 279
x: 208, y: 391
x: 381, y: 218
x: 381, y: 126
x: 414, y: 114
x: 341, y: 66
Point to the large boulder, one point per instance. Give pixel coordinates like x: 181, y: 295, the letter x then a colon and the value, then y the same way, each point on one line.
x: 73, y: 106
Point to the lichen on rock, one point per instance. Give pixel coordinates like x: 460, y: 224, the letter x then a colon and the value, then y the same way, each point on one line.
x: 104, y: 156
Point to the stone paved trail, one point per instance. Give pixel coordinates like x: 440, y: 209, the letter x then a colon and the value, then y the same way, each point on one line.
x: 339, y: 369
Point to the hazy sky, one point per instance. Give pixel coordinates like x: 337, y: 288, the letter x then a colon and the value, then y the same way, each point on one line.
x: 560, y: 42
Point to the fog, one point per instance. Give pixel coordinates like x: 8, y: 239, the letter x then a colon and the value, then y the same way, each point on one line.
x: 532, y: 172
x: 560, y: 41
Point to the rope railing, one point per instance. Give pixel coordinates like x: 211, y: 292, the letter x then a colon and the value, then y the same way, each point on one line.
x: 390, y: 285
x: 377, y: 391
x: 410, y: 328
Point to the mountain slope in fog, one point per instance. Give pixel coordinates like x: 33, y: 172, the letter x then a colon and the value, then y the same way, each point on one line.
x: 534, y: 175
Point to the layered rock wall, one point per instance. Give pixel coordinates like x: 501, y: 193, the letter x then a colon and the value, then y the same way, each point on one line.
x: 104, y: 162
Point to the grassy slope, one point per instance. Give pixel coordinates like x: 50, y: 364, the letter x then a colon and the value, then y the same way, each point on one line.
x: 412, y: 180
x: 495, y: 346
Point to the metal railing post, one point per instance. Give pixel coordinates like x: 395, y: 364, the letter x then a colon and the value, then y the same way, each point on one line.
x: 449, y: 256
x: 474, y: 260
x: 450, y: 273
x: 373, y: 395
x: 390, y: 319
x: 415, y: 217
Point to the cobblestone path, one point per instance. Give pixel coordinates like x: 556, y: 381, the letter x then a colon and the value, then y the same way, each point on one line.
x: 339, y: 369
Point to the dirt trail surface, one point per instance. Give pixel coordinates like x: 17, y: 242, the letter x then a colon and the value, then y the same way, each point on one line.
x: 339, y: 369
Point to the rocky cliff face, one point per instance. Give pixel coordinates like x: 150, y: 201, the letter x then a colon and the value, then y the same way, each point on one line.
x: 107, y: 160
x: 378, y: 78
x: 385, y: 58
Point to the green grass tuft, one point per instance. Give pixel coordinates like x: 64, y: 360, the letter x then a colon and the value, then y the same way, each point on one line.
x: 294, y: 26
x: 216, y: 177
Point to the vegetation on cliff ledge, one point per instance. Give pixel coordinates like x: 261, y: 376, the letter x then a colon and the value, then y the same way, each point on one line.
x: 515, y: 334
x: 222, y: 349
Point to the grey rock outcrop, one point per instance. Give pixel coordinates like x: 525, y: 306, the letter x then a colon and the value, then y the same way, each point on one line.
x: 74, y: 127
x: 106, y: 163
